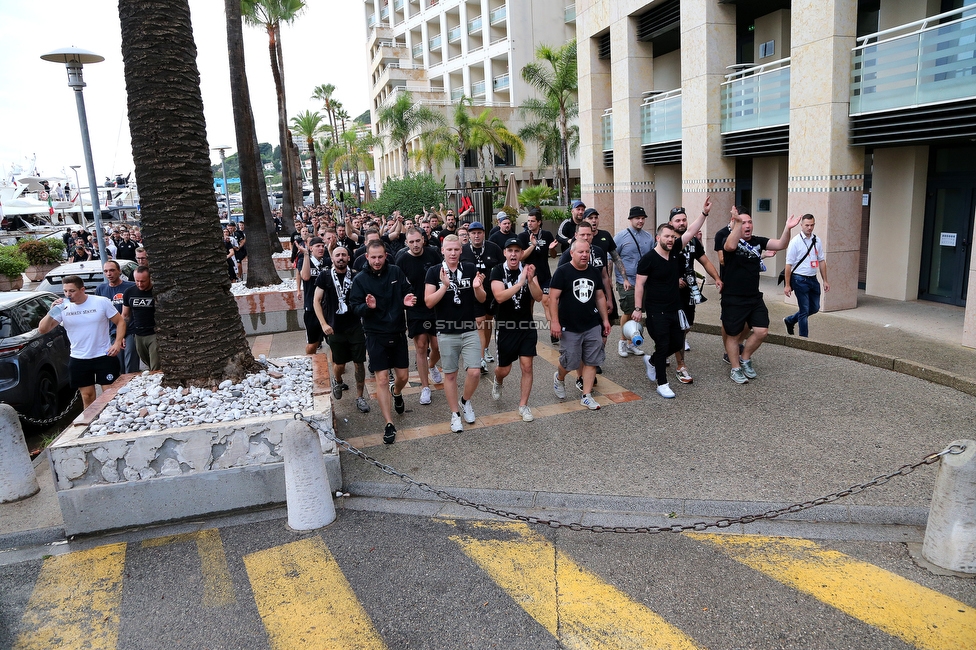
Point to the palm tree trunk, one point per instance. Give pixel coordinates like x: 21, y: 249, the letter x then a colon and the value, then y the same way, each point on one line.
x: 284, y: 137
x: 254, y: 198
x: 200, y: 333
x: 316, y: 193
x: 564, y: 153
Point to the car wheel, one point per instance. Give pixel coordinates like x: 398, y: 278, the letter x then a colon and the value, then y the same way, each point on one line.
x: 46, y: 392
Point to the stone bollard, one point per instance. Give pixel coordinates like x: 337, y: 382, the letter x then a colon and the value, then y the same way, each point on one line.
x: 17, y: 477
x: 950, y: 534
x: 307, y: 489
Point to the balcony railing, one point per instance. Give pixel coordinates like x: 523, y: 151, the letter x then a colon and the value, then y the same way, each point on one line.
x: 608, y: 129
x: 570, y: 13
x: 435, y: 43
x: 371, y: 21
x: 935, y: 62
x: 418, y: 50
x: 457, y: 94
x: 757, y: 97
x: 398, y: 4
x: 660, y: 117
x: 478, y: 89
x: 501, y: 82
x: 497, y: 15
x: 385, y: 12
x: 454, y: 34
x: 474, y: 25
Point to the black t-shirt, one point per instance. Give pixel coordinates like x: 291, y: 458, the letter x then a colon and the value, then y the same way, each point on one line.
x: 296, y: 239
x: 743, y: 266
x: 330, y: 302
x: 308, y: 286
x: 453, y: 318
x: 578, y: 310
x: 498, y: 238
x: 598, y: 258
x: 126, y: 250
x: 142, y: 310
x: 485, y: 259
x: 721, y: 236
x: 604, y: 240
x: 661, y: 291
x: 539, y: 256
x: 415, y: 268
x: 519, y: 307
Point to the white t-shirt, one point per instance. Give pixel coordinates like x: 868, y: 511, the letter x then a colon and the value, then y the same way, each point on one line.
x: 88, y: 326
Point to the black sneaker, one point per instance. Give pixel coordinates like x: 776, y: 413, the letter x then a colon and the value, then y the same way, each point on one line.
x: 790, y: 327
x: 398, y: 404
x: 389, y: 434
x: 344, y: 386
x: 579, y: 384
x: 553, y: 340
x: 599, y: 370
x: 725, y: 358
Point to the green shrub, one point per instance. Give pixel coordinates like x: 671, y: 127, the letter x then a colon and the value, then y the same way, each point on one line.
x: 409, y: 195
x: 537, y: 195
x: 510, y: 211
x: 555, y: 214
x: 12, y: 261
x: 42, y: 251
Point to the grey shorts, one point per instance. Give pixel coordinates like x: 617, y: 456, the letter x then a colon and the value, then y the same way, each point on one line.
x: 465, y: 347
x: 581, y: 347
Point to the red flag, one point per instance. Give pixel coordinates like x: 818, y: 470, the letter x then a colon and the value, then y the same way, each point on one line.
x: 50, y: 206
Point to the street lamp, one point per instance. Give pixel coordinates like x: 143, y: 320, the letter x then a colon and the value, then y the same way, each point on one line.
x: 223, y: 172
x: 81, y: 201
x: 74, y: 58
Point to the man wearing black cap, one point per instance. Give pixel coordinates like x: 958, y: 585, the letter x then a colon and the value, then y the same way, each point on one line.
x: 311, y: 265
x: 536, y: 244
x: 632, y: 244
x: 567, y: 229
x: 484, y: 255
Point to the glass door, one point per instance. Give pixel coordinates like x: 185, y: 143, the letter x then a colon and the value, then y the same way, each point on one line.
x: 947, y: 243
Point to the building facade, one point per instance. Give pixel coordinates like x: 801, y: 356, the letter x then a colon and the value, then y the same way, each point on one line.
x: 442, y: 50
x: 862, y: 113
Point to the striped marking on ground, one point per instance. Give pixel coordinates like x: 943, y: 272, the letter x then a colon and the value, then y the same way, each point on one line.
x: 584, y: 613
x: 218, y: 588
x: 305, y: 601
x: 915, y: 614
x: 75, y: 602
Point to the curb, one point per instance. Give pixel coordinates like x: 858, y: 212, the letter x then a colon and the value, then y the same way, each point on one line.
x: 895, y: 364
x: 30, y: 538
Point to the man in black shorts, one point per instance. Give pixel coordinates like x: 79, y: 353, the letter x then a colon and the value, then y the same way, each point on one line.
x: 378, y: 296
x: 311, y: 265
x: 536, y: 244
x: 342, y: 328
x: 414, y: 261
x: 485, y: 256
x: 742, y: 301
x: 516, y: 289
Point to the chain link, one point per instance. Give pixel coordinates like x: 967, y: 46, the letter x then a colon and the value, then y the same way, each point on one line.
x: 700, y: 526
x: 43, y: 423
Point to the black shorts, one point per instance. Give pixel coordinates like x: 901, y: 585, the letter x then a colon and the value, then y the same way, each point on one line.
x: 737, y: 311
x: 348, y: 346
x: 313, y: 329
x: 421, y: 325
x: 487, y: 308
x: 88, y: 372
x: 515, y: 343
x: 387, y: 351
x: 545, y: 284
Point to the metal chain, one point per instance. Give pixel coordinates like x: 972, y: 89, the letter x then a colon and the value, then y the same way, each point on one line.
x: 44, y: 423
x: 904, y: 470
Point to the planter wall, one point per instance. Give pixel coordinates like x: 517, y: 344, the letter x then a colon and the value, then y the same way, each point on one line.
x: 11, y: 283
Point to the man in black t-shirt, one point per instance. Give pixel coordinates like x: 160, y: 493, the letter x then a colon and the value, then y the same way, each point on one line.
x: 485, y: 256
x: 515, y: 289
x: 126, y: 248
x: 310, y: 266
x: 536, y: 244
x: 580, y: 321
x: 502, y: 232
x: 742, y: 301
x: 139, y: 310
x: 452, y: 289
x: 415, y: 260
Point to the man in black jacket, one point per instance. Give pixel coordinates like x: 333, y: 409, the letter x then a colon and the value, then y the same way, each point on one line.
x: 378, y: 296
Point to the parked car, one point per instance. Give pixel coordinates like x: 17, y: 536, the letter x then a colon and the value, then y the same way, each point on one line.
x: 33, y: 366
x: 90, y: 272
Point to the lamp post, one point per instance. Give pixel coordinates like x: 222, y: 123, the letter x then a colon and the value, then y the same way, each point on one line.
x: 74, y: 58
x: 223, y: 172
x: 81, y: 201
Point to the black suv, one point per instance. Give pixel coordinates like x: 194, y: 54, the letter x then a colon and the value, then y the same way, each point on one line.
x: 33, y: 366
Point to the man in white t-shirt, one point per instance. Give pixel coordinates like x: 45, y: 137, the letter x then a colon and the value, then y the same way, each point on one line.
x: 87, y: 319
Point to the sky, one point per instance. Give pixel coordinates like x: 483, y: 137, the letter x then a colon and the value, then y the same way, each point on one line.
x: 37, y: 110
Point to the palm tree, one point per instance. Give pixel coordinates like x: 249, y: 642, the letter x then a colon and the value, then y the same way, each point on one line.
x: 468, y: 132
x: 545, y: 134
x: 328, y: 152
x: 270, y: 14
x: 431, y: 152
x: 259, y: 224
x: 489, y: 132
x: 200, y: 333
x: 556, y: 80
x: 323, y: 93
x: 358, y: 152
x: 308, y: 125
x: 402, y: 120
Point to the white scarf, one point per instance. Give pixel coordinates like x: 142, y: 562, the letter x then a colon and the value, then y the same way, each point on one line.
x: 517, y: 297
x: 342, y: 289
x: 454, y: 282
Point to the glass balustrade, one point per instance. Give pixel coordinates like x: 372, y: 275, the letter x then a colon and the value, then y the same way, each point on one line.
x: 497, y: 15
x: 660, y: 118
x: 757, y: 97
x: 500, y: 82
x: 607, y: 129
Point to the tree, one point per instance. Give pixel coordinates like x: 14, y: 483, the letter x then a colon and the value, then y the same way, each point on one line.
x: 554, y: 76
x: 468, y: 132
x: 490, y: 133
x: 545, y: 134
x: 402, y: 120
x: 328, y: 152
x: 358, y: 152
x: 308, y: 125
x: 262, y: 236
x: 432, y: 152
x: 323, y: 93
x: 200, y: 333
x: 270, y: 14
x: 409, y: 195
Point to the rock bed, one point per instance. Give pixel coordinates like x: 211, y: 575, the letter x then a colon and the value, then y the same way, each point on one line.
x: 238, y: 288
x: 285, y: 386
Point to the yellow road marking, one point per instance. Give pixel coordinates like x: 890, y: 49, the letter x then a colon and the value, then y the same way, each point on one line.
x: 915, y: 614
x: 577, y: 607
x: 305, y: 601
x: 218, y: 588
x: 75, y: 602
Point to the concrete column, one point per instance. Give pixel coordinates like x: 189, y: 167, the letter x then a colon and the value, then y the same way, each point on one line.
x: 632, y: 72
x: 969, y: 327
x: 769, y: 174
x: 707, y: 48
x: 307, y: 490
x: 826, y: 176
x: 594, y: 97
x: 17, y: 477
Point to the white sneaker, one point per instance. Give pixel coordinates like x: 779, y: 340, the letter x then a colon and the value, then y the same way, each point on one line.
x: 496, y: 390
x: 687, y: 346
x: 526, y: 413
x: 590, y: 403
x: 468, y: 412
x: 665, y: 391
x: 436, y: 376
x: 425, y: 395
x: 488, y: 356
x: 456, y: 425
x: 634, y: 350
x: 649, y: 367
x: 623, y: 348
x: 559, y: 387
